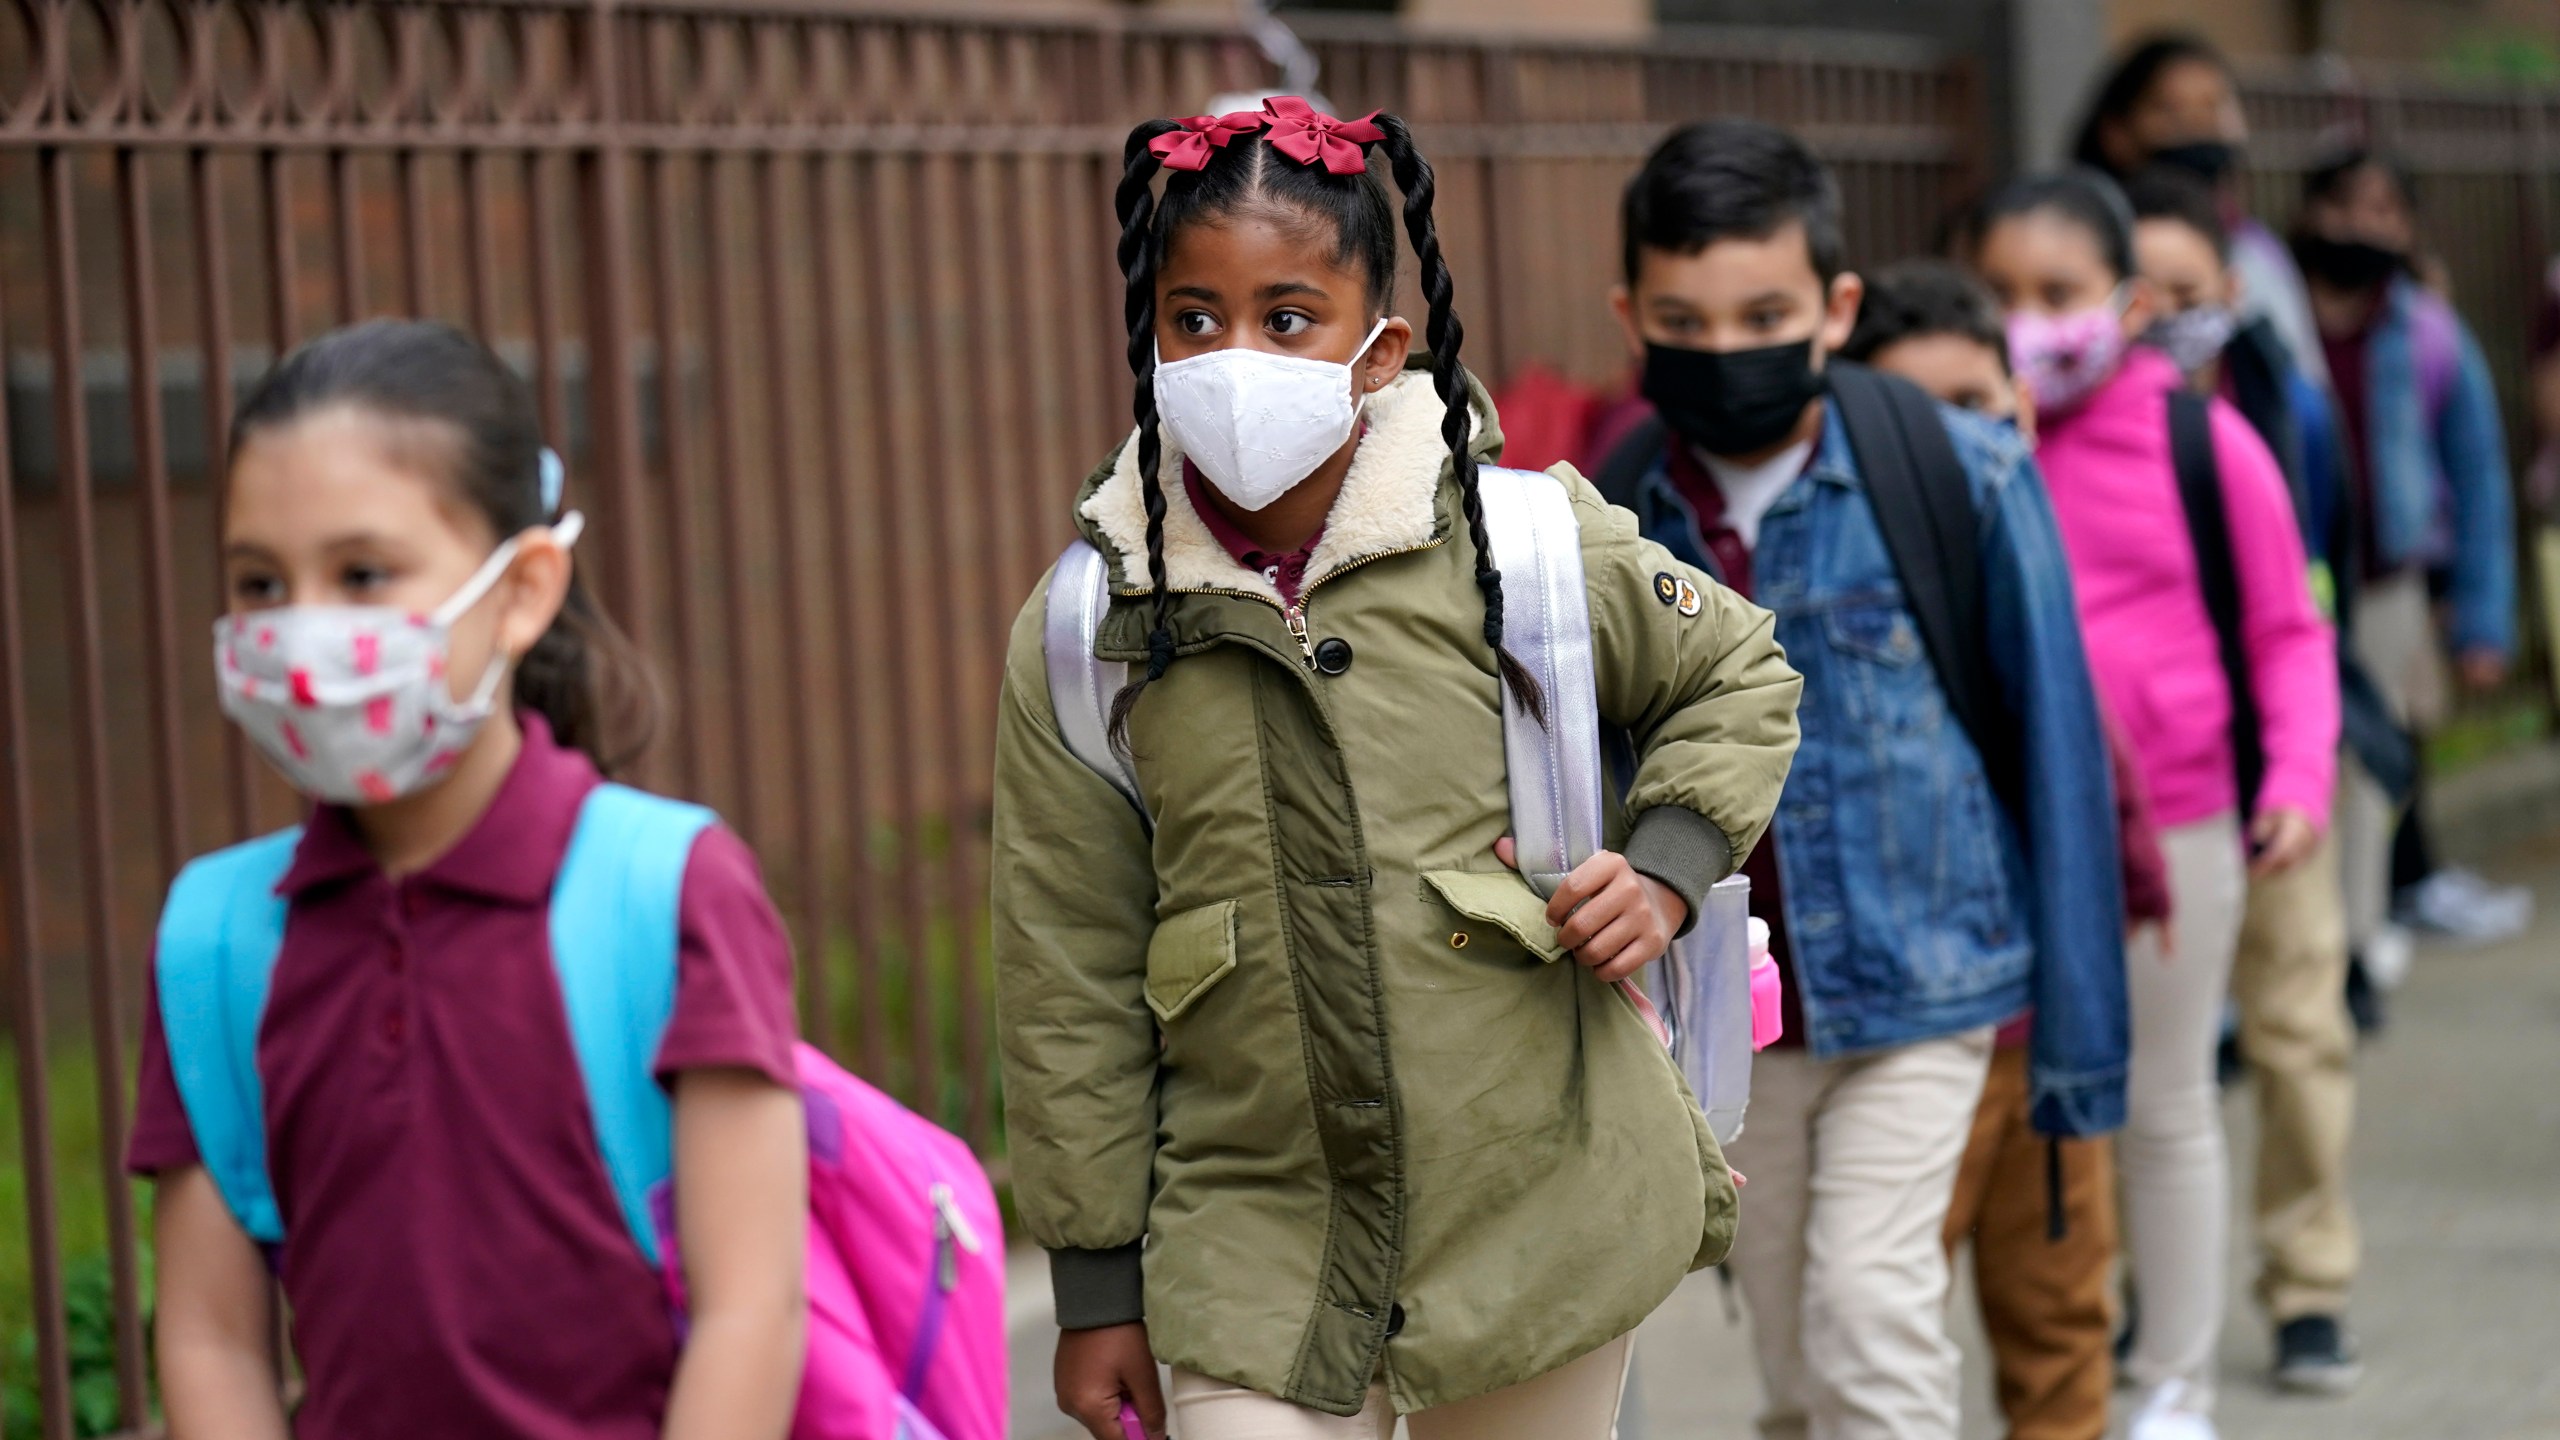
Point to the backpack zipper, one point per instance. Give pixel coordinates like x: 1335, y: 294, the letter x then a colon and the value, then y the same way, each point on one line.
x: 952, y: 1233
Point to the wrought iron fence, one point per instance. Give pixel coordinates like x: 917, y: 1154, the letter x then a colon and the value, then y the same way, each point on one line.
x: 818, y: 300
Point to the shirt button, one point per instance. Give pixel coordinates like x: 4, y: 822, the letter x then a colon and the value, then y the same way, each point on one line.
x: 1334, y: 656
x: 399, y: 961
x: 394, y: 1028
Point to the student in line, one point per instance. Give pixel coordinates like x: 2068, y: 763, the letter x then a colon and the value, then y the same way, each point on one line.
x: 2290, y: 972
x: 2433, y: 498
x: 2040, y: 1212
x: 2172, y: 101
x: 1312, y: 1098
x: 1914, y: 900
x: 2058, y: 251
x: 407, y: 642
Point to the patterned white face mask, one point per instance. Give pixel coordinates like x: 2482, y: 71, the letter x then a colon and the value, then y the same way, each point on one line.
x: 350, y: 701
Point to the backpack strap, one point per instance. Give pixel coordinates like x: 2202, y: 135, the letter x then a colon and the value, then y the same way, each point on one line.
x: 219, y: 937
x: 1081, y: 685
x: 2218, y: 575
x: 1630, y: 460
x: 1924, y: 507
x: 1557, y: 787
x: 614, y: 921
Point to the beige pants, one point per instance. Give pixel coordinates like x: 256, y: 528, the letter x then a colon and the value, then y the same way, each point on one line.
x: 1577, y: 1402
x: 1840, y: 1252
x: 2395, y: 641
x: 2176, y: 1169
x: 2289, y: 980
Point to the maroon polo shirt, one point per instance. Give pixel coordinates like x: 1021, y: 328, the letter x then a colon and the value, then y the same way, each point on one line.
x: 1287, y: 573
x: 454, y: 1258
x: 1697, y: 486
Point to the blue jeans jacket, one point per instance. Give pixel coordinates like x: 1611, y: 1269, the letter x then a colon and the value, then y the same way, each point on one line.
x: 2441, y: 493
x: 1916, y: 906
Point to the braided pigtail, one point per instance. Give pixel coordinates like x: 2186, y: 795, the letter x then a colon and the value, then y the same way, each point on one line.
x: 1136, y: 205
x: 1443, y: 334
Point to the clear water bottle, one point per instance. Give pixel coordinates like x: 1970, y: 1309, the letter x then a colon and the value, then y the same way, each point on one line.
x: 1703, y: 988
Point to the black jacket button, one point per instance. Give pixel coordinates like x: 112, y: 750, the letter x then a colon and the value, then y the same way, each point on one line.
x: 1334, y: 656
x: 1395, y: 1321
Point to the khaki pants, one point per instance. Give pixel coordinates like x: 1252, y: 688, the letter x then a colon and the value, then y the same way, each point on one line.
x: 2289, y: 980
x: 1576, y: 1402
x: 2046, y: 1302
x: 2395, y: 640
x: 1840, y: 1252
x: 2177, y: 1202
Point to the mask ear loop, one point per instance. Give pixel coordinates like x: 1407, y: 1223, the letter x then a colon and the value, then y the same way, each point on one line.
x: 1361, y: 401
x: 565, y: 533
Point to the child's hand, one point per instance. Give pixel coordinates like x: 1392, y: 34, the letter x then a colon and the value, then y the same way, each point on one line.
x: 1098, y: 1370
x: 1613, y: 920
x: 2283, y: 837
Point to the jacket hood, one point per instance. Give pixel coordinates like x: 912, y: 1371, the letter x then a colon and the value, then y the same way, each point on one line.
x: 1393, y: 499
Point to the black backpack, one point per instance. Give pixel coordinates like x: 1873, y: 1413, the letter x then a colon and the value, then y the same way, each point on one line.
x: 1924, y: 507
x: 2386, y: 751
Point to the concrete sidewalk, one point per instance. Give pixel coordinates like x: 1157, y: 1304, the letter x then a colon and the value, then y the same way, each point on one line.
x: 2458, y: 1184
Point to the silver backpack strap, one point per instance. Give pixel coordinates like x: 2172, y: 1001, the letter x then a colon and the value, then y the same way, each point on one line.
x: 1556, y: 780
x: 1081, y: 684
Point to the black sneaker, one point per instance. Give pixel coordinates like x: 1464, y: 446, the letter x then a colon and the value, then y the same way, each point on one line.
x: 2316, y: 1356
x: 2365, y: 999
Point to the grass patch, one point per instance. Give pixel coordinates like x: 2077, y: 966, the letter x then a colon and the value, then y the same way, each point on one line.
x: 80, y: 1211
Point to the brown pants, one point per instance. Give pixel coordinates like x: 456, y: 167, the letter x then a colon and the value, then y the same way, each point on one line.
x: 2045, y: 1302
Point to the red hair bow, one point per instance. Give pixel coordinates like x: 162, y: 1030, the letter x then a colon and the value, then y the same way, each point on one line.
x: 1188, y: 148
x: 1308, y: 135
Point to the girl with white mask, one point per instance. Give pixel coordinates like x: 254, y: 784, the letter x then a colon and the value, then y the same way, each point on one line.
x: 1310, y: 1076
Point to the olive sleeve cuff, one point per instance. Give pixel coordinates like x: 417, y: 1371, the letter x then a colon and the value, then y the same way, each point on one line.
x: 1095, y: 1288
x: 1682, y: 849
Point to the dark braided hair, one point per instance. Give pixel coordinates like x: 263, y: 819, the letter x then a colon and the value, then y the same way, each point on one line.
x: 1247, y: 174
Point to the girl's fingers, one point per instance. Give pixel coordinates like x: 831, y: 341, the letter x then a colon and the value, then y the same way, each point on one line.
x: 1589, y: 879
x: 1612, y: 943
x: 1597, y: 914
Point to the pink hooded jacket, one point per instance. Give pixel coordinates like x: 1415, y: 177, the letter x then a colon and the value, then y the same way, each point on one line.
x: 2151, y: 643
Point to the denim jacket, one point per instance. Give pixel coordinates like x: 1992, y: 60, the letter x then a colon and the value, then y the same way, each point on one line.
x: 2439, y: 459
x: 1916, y: 907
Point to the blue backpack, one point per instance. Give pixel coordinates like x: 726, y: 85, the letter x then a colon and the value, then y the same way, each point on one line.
x: 905, y: 1261
x: 616, y: 897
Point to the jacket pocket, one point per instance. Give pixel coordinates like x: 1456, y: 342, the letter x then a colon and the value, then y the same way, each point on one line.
x: 1503, y: 900
x: 1190, y: 952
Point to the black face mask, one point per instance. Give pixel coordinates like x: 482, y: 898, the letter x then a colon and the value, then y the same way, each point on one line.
x: 2347, y: 264
x: 2208, y: 160
x: 1731, y: 402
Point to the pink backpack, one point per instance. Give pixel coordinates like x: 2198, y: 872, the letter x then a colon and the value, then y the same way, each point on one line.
x: 905, y: 1273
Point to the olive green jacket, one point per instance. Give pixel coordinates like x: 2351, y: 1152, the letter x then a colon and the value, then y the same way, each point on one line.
x: 1306, y: 1056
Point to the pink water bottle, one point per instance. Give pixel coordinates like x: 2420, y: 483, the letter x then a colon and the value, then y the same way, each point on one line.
x: 1768, y: 1012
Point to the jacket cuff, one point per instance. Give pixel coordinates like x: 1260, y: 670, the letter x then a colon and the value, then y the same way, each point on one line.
x: 1682, y: 849
x: 1095, y: 1288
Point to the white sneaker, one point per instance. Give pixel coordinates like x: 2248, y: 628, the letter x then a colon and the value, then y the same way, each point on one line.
x: 2462, y: 905
x: 2387, y: 956
x: 2164, y: 1416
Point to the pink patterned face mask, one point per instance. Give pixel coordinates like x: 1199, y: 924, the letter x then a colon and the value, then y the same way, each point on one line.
x: 2061, y: 358
x: 350, y: 701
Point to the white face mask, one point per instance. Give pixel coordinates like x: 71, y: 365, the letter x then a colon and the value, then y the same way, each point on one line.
x: 1257, y: 423
x: 350, y: 701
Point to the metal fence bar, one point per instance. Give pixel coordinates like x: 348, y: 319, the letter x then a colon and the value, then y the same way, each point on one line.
x: 95, y: 804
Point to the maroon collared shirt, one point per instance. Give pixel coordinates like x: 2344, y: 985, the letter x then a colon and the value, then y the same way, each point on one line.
x: 1287, y: 573
x: 455, y: 1261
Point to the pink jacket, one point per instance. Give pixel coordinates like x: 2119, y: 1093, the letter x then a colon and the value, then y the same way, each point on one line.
x: 2151, y: 643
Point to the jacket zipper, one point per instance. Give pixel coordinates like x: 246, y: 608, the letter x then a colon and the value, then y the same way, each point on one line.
x: 1295, y: 616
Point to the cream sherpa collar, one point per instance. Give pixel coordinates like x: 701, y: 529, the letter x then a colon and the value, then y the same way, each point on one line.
x: 1388, y: 502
